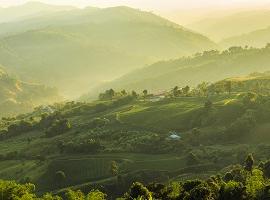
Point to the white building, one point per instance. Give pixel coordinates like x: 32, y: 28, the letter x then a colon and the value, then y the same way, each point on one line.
x: 174, y: 136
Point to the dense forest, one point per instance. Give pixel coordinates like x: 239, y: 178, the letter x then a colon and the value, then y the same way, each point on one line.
x: 126, y: 136
x: 239, y: 183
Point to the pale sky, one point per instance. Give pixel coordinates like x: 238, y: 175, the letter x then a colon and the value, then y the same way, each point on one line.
x: 161, y: 5
x: 180, y: 11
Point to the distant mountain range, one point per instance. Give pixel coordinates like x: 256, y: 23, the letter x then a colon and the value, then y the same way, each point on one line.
x: 77, y: 49
x: 17, y: 96
x: 256, y: 38
x: 219, y: 28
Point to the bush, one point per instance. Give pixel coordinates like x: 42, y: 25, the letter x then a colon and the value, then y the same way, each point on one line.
x: 138, y: 191
x: 96, y: 195
x: 19, y: 128
x: 58, y: 127
x: 98, y: 122
x: 192, y: 159
x: 11, y: 190
x: 233, y: 191
x: 88, y: 146
x: 242, y: 125
x: 123, y: 101
x: 59, y: 177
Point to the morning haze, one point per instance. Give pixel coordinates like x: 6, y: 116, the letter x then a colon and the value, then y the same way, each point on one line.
x: 134, y: 100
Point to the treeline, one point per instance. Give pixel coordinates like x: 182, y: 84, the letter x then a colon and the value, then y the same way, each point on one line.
x: 52, y: 124
x: 11, y: 190
x: 112, y: 94
x: 241, y: 182
x: 245, y: 182
x: 256, y: 82
x: 203, y: 89
x: 84, y: 146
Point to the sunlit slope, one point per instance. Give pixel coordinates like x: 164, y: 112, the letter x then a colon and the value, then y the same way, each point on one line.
x: 135, y: 126
x: 258, y: 38
x: 139, y: 121
x: 18, y: 97
x: 211, y: 66
x: 235, y: 24
x: 96, y: 45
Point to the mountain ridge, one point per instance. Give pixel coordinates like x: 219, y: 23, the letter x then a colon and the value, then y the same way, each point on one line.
x: 209, y: 66
x: 257, y: 38
x: 103, y: 44
x: 234, y: 24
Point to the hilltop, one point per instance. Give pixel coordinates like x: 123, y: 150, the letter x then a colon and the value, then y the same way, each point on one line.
x: 92, y: 45
x: 17, y: 96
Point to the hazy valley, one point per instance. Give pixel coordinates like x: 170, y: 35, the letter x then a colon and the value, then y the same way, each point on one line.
x: 86, y: 42
x: 121, y: 103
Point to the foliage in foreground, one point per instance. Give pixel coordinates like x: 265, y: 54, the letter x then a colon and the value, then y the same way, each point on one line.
x: 239, y: 183
x: 11, y: 190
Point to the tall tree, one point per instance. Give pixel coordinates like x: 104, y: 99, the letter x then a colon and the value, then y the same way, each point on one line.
x: 228, y: 86
x: 175, y: 91
x: 145, y: 92
x: 114, y: 168
x: 186, y: 90
x: 249, y: 162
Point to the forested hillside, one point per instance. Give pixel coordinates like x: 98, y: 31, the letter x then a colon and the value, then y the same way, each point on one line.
x: 92, y: 45
x: 209, y: 66
x: 151, y: 110
x: 17, y: 96
x: 129, y: 136
x: 241, y: 182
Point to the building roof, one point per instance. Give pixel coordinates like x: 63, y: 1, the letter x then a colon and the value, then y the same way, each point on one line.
x: 174, y: 136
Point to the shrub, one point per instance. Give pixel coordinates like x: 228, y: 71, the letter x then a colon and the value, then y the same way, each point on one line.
x: 19, y: 128
x: 96, y: 195
x: 138, y: 191
x: 59, y: 177
x: 233, y: 191
x: 192, y: 159
x: 98, y: 122
x: 58, y: 127
x: 11, y: 190
x: 88, y: 146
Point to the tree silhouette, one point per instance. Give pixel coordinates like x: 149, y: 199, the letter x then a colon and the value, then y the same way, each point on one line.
x: 249, y: 163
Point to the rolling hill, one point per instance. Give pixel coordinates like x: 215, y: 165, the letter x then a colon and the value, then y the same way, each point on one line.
x: 232, y: 25
x: 93, y: 45
x: 258, y: 38
x: 18, y: 97
x: 209, y: 66
x: 133, y: 132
